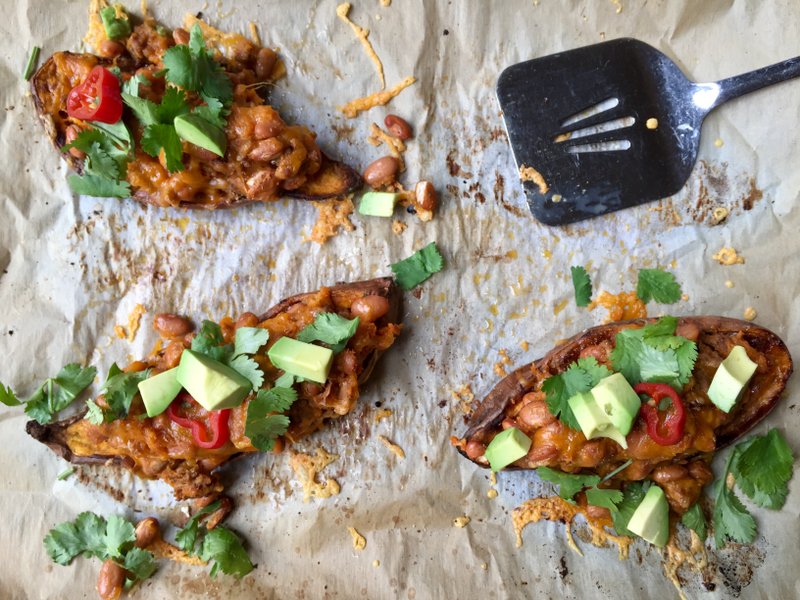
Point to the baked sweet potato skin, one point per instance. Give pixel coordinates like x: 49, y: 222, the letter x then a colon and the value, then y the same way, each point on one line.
x: 331, y: 179
x: 191, y: 472
x: 711, y: 333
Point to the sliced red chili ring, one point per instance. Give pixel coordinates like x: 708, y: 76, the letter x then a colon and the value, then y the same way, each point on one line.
x: 217, y: 423
x: 666, y: 427
x: 97, y: 98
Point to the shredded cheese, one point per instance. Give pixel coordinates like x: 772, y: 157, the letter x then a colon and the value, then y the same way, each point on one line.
x: 163, y: 549
x: 333, y: 215
x: 396, y: 147
x: 307, y: 468
x: 359, y: 541
x: 527, y: 173
x: 398, y: 227
x: 728, y: 256
x: 695, y: 558
x: 465, y: 398
x: 354, y: 107
x: 393, y: 447
x: 134, y: 319
x: 254, y: 33
x: 95, y: 33
x: 363, y: 36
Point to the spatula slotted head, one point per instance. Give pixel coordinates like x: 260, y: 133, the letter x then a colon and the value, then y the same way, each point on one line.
x: 606, y: 127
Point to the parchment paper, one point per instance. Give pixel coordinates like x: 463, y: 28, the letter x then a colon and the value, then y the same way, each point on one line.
x: 71, y: 268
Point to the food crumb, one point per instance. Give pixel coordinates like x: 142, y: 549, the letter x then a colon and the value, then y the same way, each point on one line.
x: 499, y: 367
x: 750, y: 313
x: 461, y: 522
x: 651, y: 123
x: 718, y: 143
x: 684, y: 297
x: 134, y: 318
x: 491, y: 494
x: 382, y: 414
x: 524, y: 345
x: 556, y: 198
x: 728, y: 256
x: 484, y: 566
x: 493, y: 478
x: 729, y: 284
x: 465, y: 398
x: 398, y: 227
x: 376, y: 563
x: 359, y: 541
x: 332, y: 215
x: 527, y: 173
x: 617, y: 6
x: 391, y: 446
x: 719, y: 214
x: 307, y: 468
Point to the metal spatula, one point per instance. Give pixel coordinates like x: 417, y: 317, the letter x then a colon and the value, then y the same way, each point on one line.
x: 610, y: 126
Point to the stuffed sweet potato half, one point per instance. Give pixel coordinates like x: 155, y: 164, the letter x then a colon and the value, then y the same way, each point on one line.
x: 178, y: 119
x: 185, y: 442
x: 675, y: 455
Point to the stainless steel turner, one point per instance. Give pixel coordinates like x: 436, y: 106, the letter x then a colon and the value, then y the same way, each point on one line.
x: 610, y: 126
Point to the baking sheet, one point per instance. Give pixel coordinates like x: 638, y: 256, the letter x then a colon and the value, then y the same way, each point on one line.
x: 70, y: 269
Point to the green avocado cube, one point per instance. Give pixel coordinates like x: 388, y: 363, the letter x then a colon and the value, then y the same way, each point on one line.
x: 159, y: 391
x: 650, y: 520
x: 377, y: 204
x: 615, y: 396
x: 593, y: 421
x: 507, y: 446
x: 732, y: 375
x: 301, y: 359
x: 212, y: 384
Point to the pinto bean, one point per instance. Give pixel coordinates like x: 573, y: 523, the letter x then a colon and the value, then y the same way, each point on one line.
x: 265, y: 63
x: 71, y: 135
x: 169, y: 325
x: 398, y: 126
x: 508, y: 423
x: 424, y: 196
x: 172, y: 355
x: 475, y: 449
x: 597, y: 512
x: 110, y: 580
x: 542, y: 454
x: 247, y: 319
x: 348, y: 362
x: 700, y: 471
x: 591, y: 454
x: 668, y: 473
x: 370, y: 308
x: 266, y: 150
x: 309, y: 389
x: 534, y: 415
x: 110, y: 49
x: 180, y: 35
x: 147, y: 532
x: 266, y: 127
x: 381, y: 172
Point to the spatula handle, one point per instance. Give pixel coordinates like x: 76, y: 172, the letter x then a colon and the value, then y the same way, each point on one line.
x: 733, y: 87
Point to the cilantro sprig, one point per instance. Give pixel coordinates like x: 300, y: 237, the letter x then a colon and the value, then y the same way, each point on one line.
x: 265, y: 421
x: 658, y: 285
x: 54, y: 395
x: 92, y: 535
x: 581, y: 376
x: 120, y: 389
x: 193, y: 68
x: 418, y: 267
x: 108, y: 149
x: 582, y: 284
x: 331, y: 329
x: 219, y: 545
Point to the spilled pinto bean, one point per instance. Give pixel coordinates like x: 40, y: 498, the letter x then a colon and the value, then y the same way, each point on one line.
x: 110, y: 580
x: 381, y: 172
x: 147, y: 532
x: 169, y: 325
x: 398, y: 126
x: 370, y: 308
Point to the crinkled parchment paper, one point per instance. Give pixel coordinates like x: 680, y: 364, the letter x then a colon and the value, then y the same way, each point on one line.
x: 71, y: 268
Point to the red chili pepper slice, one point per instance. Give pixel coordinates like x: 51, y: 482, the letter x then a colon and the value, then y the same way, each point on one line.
x: 98, y: 98
x: 669, y: 430
x: 217, y: 422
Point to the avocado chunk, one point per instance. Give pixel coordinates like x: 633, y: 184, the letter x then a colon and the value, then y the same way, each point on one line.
x: 196, y: 130
x: 213, y: 385
x: 594, y: 422
x: 377, y: 204
x: 731, y: 377
x: 301, y: 359
x: 507, y: 446
x: 650, y: 520
x: 159, y: 391
x: 616, y: 398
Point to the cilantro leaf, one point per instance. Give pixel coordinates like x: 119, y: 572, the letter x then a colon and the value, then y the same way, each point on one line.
x: 8, y: 397
x: 139, y: 563
x: 331, y: 329
x: 98, y: 187
x: 695, y: 519
x: 418, y: 267
x: 118, y: 141
x: 209, y: 341
x: 58, y: 392
x: 581, y: 376
x: 131, y: 87
x: 145, y: 110
x: 107, y: 149
x: 731, y: 519
x: 286, y: 380
x: 264, y: 419
x: 212, y: 112
x: 186, y: 538
x: 94, y: 414
x: 658, y: 285
x: 119, y: 533
x: 157, y: 137
x: 173, y: 104
x: 225, y: 548
x: 762, y: 469
x: 665, y: 326
x: 249, y: 369
x: 604, y: 498
x: 120, y: 389
x: 632, y: 496
x: 687, y: 356
x: 655, y: 366
x: 568, y: 484
x: 249, y: 340
x: 582, y: 285
x: 116, y: 27
x: 63, y: 543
